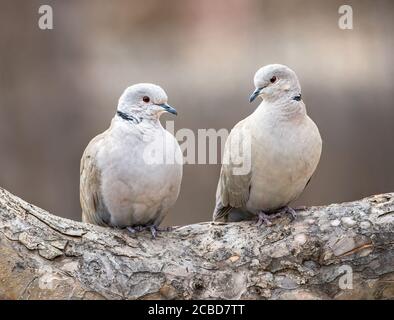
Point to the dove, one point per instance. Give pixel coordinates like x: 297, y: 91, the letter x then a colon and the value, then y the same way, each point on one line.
x: 281, y: 148
x: 130, y: 175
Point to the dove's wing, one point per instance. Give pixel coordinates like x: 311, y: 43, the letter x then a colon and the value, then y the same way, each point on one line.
x: 235, y: 176
x: 93, y: 207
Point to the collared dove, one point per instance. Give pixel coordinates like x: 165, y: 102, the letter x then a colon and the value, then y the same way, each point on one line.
x: 281, y: 149
x: 131, y: 174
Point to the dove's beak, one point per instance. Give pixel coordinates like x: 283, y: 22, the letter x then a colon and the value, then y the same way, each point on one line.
x: 255, y: 94
x: 168, y: 108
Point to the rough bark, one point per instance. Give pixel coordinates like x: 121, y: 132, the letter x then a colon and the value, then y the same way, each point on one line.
x: 47, y: 257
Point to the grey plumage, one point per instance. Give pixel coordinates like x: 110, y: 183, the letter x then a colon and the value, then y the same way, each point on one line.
x: 284, y: 150
x: 122, y: 184
x: 93, y: 208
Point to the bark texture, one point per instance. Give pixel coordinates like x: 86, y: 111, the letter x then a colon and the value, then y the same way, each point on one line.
x: 47, y: 257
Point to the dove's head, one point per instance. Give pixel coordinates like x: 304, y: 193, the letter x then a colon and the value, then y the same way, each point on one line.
x: 144, y: 100
x: 274, y: 82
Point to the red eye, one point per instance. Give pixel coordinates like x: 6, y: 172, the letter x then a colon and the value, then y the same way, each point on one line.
x: 146, y: 99
x: 273, y: 79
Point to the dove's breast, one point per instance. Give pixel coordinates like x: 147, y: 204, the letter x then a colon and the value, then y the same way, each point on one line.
x: 141, y: 177
x: 284, y: 157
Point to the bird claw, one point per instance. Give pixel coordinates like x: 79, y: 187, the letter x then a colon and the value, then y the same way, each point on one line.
x: 292, y: 212
x: 152, y: 228
x: 263, y: 218
x: 135, y: 229
x: 153, y: 231
x: 132, y: 230
x: 285, y: 210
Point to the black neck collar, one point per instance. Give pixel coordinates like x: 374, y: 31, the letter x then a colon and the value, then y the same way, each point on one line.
x: 297, y: 97
x: 128, y: 117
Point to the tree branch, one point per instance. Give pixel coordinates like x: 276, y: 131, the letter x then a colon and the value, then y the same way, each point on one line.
x: 47, y: 257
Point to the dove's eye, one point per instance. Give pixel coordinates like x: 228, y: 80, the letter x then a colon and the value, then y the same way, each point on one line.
x: 273, y: 79
x: 146, y: 99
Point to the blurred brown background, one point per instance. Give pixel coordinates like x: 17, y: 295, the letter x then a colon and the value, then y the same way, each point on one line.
x: 59, y: 88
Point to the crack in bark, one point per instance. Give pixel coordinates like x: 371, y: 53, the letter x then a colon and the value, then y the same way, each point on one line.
x: 355, y: 250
